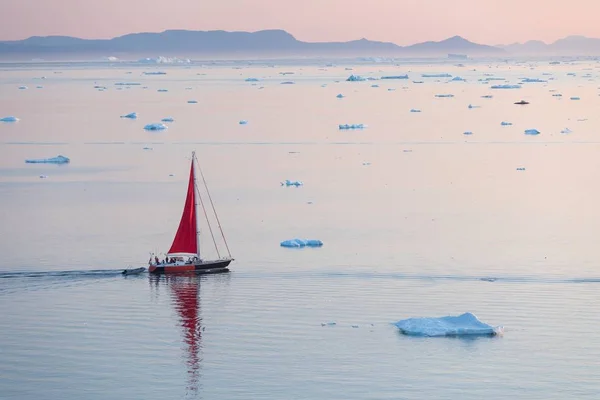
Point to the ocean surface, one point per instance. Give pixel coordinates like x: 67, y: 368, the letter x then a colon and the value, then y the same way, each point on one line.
x: 417, y: 219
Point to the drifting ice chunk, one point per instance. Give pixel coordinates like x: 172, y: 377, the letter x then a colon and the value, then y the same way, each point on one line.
x: 571, y: 74
x: 167, y: 119
x: 243, y: 122
x: 520, y: 168
x: 23, y: 87
x: 287, y: 182
x: 163, y: 60
x: 162, y: 90
x: 127, y: 84
x: 54, y: 160
x: 155, y: 127
x: 418, y: 82
x: 355, y: 78
x: 251, y: 79
x: 43, y: 176
x: 487, y: 96
x: 468, y: 133
x: 557, y: 95
x: 155, y: 73
x: 340, y: 96
x: 288, y: 83
x: 132, y: 115
x: 532, y: 80
x: 466, y: 324
x: 192, y: 101
x: 374, y: 85
x: 352, y: 126
x: 532, y: 132
x: 506, y: 86
x: 391, y: 89
x: 301, y: 243
x: 504, y: 123
x: 9, y: 119
x: 414, y: 110
x: 566, y: 131
x: 458, y: 79
x: 444, y: 95
x: 575, y: 98
x: 436, y: 76
x: 395, y: 77
x: 472, y: 106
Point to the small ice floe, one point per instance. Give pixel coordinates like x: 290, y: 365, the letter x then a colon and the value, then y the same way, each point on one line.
x: 566, y: 131
x: 532, y: 132
x: 366, y: 163
x: 575, y: 98
x: 521, y: 103
x: 391, y: 89
x: 471, y: 106
x: 39, y: 87
x: 168, y: 119
x: 328, y: 324
x: 507, y: 86
x: 444, y: 95
x: 466, y: 324
x: 495, y: 279
x: 23, y: 87
x: 155, y: 73
x: 458, y: 79
x: 351, y: 126
x: 288, y: 182
x: 487, y: 96
x: 251, y: 80
x: 9, y: 119
x: 192, y: 101
x: 468, y: 133
x: 571, y: 74
x: 504, y: 123
x: 395, y: 77
x: 188, y: 88
x: 54, y: 160
x: 147, y: 148
x: 340, y: 96
x: 375, y: 86
x: 324, y: 85
x: 520, y: 168
x: 155, y: 127
x: 436, y: 76
x: 288, y: 83
x: 43, y: 176
x: 557, y: 95
x: 414, y: 110
x: 581, y: 119
x: 127, y: 84
x: 355, y: 78
x: 532, y: 80
x: 418, y: 82
x: 355, y: 326
x: 162, y: 90
x: 132, y: 115
x: 301, y: 243
x: 243, y: 122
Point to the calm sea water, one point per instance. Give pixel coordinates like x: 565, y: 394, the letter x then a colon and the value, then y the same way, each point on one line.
x: 412, y: 234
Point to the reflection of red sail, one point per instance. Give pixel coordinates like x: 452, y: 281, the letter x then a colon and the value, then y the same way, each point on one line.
x: 185, y: 294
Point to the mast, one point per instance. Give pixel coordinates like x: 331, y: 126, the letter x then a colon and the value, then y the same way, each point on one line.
x: 196, y: 205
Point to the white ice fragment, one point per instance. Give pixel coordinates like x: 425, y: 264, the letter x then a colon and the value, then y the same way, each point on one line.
x: 168, y: 119
x: 288, y: 83
x: 155, y: 73
x: 414, y: 110
x: 162, y: 90
x: 155, y: 127
x: 575, y: 98
x: 417, y: 81
x: 340, y: 96
x: 444, y: 95
x: 147, y: 148
x: 288, y: 183
x: 132, y: 115
x: 375, y: 86
x: 458, y: 79
x: 557, y: 95
x: 395, y: 77
x: 351, y: 126
x: 243, y: 122
x: 468, y: 133
x: 520, y: 168
x: 566, y: 131
x: 463, y: 325
x: 391, y: 89
x: 301, y: 243
x: 251, y: 79
x: 127, y: 84
x: 164, y: 60
x: 54, y: 160
x: 366, y: 163
x: 487, y: 96
x: 192, y: 101
x: 472, y: 106
x: 355, y: 78
x: 9, y: 119
x: 507, y: 86
x: 436, y: 76
x: 532, y: 80
x: 23, y: 87
x: 504, y: 123
x: 532, y: 132
x: 43, y: 176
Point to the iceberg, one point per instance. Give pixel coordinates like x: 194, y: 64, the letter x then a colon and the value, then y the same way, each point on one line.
x: 54, y: 160
x: 472, y: 106
x: 301, y: 243
x: 575, y: 98
x: 391, y: 89
x: 466, y: 324
x: 288, y: 83
x: 557, y: 95
x: 414, y: 110
x: 162, y: 90
x: 504, y: 123
x: 287, y: 182
x: 444, y: 95
x: 532, y: 132
x: 155, y: 127
x: 39, y: 87
x: 417, y: 81
x: 23, y: 87
x: 340, y: 96
x: 352, y: 126
x: 566, y: 131
x: 375, y: 86
x: 436, y: 76
x: 243, y: 122
x: 167, y: 119
x: 468, y: 133
x: 395, y: 77
x: 192, y: 101
x: 355, y: 78
x: 132, y: 115
x: 251, y: 80
x: 506, y: 86
x: 9, y: 119
x: 520, y: 168
x: 155, y: 73
x: 571, y: 74
x: 458, y: 79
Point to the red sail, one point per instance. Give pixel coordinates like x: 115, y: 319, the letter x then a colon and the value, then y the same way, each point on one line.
x: 185, y: 238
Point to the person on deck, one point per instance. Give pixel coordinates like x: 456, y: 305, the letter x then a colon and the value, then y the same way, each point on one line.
x: 156, y: 260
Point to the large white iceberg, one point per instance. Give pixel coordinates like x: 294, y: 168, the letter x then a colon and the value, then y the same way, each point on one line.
x: 351, y: 126
x: 155, y: 127
x: 9, y: 119
x: 54, y: 160
x: 466, y: 324
x: 355, y: 78
x: 301, y: 243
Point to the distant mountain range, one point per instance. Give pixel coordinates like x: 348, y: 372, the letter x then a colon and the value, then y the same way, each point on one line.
x: 183, y: 43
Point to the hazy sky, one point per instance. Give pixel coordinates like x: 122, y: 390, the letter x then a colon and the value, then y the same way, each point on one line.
x: 399, y: 21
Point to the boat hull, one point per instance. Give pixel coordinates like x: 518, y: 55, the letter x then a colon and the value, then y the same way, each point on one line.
x: 206, y: 267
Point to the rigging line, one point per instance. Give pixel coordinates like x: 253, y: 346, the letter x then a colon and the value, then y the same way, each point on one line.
x: 213, y: 206
x: 208, y: 222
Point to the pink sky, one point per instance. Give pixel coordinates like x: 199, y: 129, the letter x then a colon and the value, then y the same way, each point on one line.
x: 400, y: 21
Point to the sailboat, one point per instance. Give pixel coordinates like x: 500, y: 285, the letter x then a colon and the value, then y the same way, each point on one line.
x: 185, y: 252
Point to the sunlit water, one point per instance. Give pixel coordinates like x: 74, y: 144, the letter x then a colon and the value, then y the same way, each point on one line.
x: 415, y: 233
